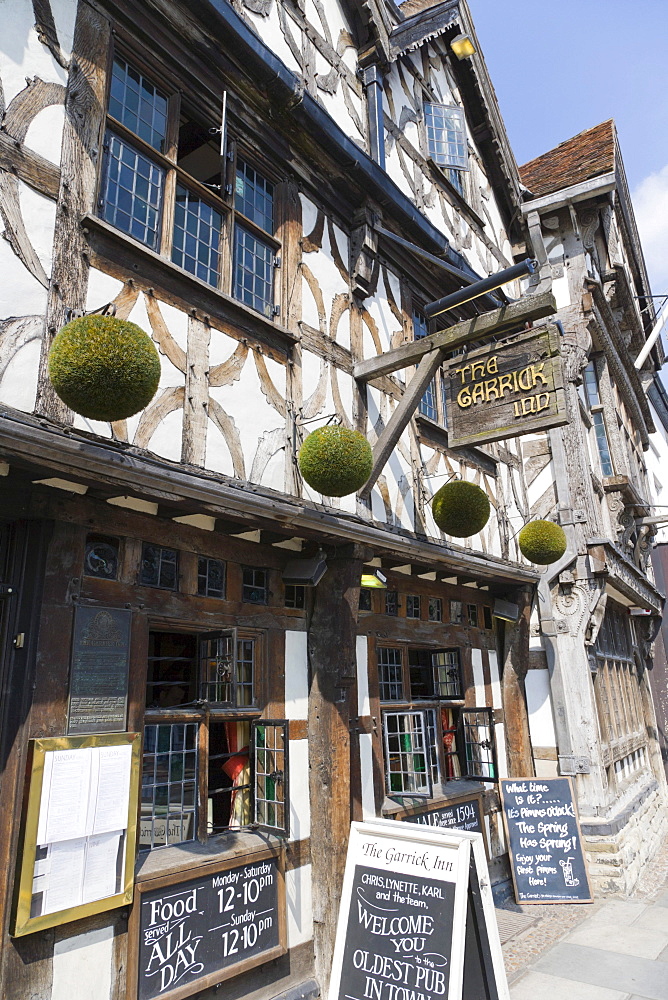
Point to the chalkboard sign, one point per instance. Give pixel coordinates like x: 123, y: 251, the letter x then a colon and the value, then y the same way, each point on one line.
x: 402, y: 915
x: 546, y: 857
x: 194, y: 933
x: 465, y: 814
x: 99, y: 671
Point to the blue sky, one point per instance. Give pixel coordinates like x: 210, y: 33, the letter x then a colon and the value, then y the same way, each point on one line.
x: 561, y: 66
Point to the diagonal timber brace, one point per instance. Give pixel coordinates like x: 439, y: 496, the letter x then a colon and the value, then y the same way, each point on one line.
x: 430, y: 352
x: 497, y: 321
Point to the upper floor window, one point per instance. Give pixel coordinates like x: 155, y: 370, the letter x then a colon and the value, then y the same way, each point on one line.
x: 432, y: 404
x: 164, y: 184
x: 445, y: 128
x: 592, y: 400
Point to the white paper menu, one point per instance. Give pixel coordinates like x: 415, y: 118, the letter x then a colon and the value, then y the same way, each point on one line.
x: 82, y: 822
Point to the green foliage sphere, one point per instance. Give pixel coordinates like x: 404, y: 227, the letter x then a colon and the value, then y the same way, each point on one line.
x: 335, y: 461
x: 104, y: 368
x: 542, y: 542
x: 460, y: 508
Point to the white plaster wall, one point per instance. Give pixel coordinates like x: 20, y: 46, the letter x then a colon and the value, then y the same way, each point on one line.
x: 478, y: 678
x: 82, y: 965
x: 539, y: 705
x: 300, y: 806
x: 362, y: 657
x: 299, y: 905
x: 296, y: 675
x: 21, y: 52
x: 366, y: 768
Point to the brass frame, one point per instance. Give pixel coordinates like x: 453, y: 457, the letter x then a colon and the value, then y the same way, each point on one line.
x: 21, y: 921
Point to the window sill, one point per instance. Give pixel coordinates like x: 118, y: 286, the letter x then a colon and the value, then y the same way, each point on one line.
x: 453, y: 790
x: 126, y: 258
x: 193, y: 855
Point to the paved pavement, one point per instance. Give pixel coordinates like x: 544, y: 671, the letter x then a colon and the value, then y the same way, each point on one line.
x: 613, y: 949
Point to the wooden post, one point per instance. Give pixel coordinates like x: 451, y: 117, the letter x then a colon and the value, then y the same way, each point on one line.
x: 84, y: 116
x: 332, y: 668
x: 513, y: 693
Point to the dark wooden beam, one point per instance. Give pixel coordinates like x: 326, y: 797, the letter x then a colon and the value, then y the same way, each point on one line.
x: 402, y: 414
x: 513, y: 693
x: 497, y: 321
x: 29, y: 167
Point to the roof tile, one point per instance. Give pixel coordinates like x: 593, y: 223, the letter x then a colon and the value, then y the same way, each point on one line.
x: 586, y: 155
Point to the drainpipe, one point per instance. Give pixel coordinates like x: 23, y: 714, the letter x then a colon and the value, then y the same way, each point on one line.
x: 373, y: 85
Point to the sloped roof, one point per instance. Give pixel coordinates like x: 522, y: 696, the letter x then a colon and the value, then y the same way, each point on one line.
x: 586, y: 155
x: 424, y: 19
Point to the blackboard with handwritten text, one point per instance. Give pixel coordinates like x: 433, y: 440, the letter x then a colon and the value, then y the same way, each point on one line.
x: 192, y: 932
x: 464, y: 815
x: 544, y: 845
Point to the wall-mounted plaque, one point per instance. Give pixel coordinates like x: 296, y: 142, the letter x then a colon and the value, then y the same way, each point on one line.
x: 192, y: 932
x: 463, y: 814
x: 99, y: 671
x: 504, y: 390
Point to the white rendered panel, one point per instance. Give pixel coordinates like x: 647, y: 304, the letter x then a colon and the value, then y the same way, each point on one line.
x: 299, y: 905
x: 478, y: 677
x: 495, y: 679
x: 366, y: 768
x: 362, y: 653
x: 539, y: 705
x: 296, y: 675
x: 300, y: 806
x: 82, y: 965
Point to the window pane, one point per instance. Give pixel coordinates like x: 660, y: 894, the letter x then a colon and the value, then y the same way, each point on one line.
x: 254, y: 196
x: 406, y: 767
x: 172, y: 670
x: 602, y: 442
x: 200, y: 254
x: 229, y: 794
x: 435, y: 609
x: 132, y: 192
x: 413, y: 606
x: 479, y: 743
x: 255, y: 588
x: 168, y: 799
x: 270, y: 743
x: 390, y: 677
x: 295, y: 596
x: 447, y: 673
x: 139, y: 105
x: 253, y: 271
x: 446, y: 135
x: 210, y: 577
x: 217, y: 669
x: 421, y: 674
x: 428, y: 401
x: 101, y: 558
x: 391, y: 602
x: 159, y: 567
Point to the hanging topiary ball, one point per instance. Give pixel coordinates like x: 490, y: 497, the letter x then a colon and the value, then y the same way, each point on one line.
x: 542, y: 542
x: 335, y: 461
x: 104, y: 368
x: 460, y: 508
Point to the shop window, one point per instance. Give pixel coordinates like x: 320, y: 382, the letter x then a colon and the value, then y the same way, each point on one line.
x: 162, y: 185
x: 101, y: 557
x: 210, y: 577
x: 365, y: 599
x: 459, y: 741
x: 391, y: 603
x: 295, y: 596
x: 413, y: 606
x: 487, y: 616
x: 159, y: 567
x: 210, y: 764
x: 435, y: 609
x: 255, y: 588
x: 472, y: 615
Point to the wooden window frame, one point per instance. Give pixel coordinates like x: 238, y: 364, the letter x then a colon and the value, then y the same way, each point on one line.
x: 204, y: 714
x: 223, y: 201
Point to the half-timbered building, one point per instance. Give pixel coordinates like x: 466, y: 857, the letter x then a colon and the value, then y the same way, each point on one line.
x: 274, y: 190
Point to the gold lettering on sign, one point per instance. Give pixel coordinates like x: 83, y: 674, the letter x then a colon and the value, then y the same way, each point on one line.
x: 531, y: 404
x: 478, y: 389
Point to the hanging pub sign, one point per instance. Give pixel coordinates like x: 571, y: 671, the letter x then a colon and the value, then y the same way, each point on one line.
x: 504, y: 390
